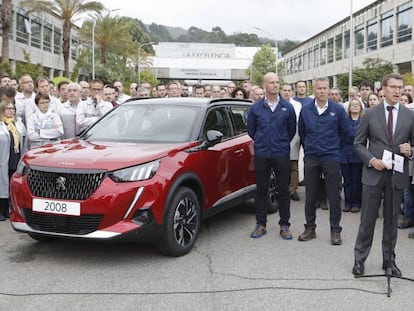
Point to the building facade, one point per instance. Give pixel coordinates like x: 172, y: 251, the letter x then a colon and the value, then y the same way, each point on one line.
x: 380, y: 30
x: 39, y: 35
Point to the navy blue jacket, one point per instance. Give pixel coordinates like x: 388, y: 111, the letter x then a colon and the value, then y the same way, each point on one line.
x: 304, y: 100
x: 321, y: 135
x: 348, y: 154
x: 271, y: 131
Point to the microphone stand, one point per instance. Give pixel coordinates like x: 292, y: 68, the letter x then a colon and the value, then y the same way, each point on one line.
x: 388, y: 271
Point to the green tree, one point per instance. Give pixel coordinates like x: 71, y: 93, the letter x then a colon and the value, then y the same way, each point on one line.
x: 26, y: 67
x: 263, y: 62
x: 68, y: 11
x: 111, y: 35
x: 374, y: 69
x: 408, y: 78
x: 6, y: 21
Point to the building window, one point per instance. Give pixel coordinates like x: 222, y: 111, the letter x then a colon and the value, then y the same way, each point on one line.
x: 338, y: 47
x: 359, y: 39
x: 311, y: 63
x: 305, y: 60
x: 74, y: 48
x: 35, y: 37
x: 387, y: 29
x: 330, y: 50
x: 47, y: 38
x: 22, y: 29
x: 323, y: 53
x: 404, y: 22
x: 316, y: 56
x: 57, y: 44
x: 372, y: 35
x: 347, y: 40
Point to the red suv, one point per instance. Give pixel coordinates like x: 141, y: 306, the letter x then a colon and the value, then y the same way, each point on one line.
x: 149, y: 170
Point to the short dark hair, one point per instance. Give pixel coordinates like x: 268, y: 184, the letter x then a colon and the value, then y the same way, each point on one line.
x: 366, y: 83
x: 39, y: 96
x: 390, y: 76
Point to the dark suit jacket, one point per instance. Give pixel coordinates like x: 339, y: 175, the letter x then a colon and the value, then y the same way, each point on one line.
x: 372, y: 139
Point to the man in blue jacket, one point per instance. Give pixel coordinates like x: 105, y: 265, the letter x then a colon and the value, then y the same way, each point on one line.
x: 271, y: 123
x: 322, y: 125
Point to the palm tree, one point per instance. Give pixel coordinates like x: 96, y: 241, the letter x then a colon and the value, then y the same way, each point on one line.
x: 111, y: 35
x: 68, y: 11
x: 6, y: 13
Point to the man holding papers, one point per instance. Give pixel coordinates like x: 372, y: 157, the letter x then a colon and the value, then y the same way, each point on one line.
x: 384, y: 144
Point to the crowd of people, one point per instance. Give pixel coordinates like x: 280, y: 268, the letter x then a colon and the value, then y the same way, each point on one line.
x: 342, y: 141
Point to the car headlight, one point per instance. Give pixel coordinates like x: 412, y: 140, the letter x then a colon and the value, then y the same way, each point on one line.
x: 135, y: 173
x: 22, y: 169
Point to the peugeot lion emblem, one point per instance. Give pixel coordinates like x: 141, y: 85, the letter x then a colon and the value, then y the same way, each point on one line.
x: 60, y: 183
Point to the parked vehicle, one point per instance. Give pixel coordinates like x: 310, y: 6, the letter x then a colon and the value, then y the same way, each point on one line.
x: 149, y: 170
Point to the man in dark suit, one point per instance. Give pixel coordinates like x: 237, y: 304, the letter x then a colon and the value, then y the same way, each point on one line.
x: 387, y: 126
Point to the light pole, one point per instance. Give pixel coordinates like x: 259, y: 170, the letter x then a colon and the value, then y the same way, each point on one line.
x: 351, y: 45
x: 139, y: 59
x: 274, y: 40
x: 93, y: 49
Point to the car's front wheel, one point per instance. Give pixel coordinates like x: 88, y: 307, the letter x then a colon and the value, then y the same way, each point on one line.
x: 182, y: 223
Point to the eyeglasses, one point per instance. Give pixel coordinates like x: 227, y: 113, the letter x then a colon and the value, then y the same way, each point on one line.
x: 96, y: 89
x: 10, y: 108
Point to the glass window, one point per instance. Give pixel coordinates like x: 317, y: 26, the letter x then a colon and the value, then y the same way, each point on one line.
x: 22, y: 29
x: 74, y: 48
x: 323, y: 53
x: 47, y: 38
x: 316, y: 56
x: 57, y: 41
x: 359, y: 39
x: 305, y: 60
x: 387, y: 29
x: 338, y: 47
x: 311, y: 62
x: 347, y: 40
x: 35, y: 38
x: 239, y: 115
x: 404, y: 22
x: 372, y: 35
x: 330, y: 50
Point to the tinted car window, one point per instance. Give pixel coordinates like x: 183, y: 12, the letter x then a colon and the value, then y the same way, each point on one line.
x: 145, y: 123
x: 239, y: 115
x: 217, y: 119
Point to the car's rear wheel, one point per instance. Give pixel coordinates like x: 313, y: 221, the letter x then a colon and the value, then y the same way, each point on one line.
x: 182, y: 223
x: 273, y: 195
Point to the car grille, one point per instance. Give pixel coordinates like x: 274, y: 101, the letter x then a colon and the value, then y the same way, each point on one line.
x: 62, y: 224
x: 73, y: 186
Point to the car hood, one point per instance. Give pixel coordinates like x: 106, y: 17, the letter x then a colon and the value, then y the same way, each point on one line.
x: 79, y: 154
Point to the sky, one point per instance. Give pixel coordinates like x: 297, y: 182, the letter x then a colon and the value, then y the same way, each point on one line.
x: 278, y: 19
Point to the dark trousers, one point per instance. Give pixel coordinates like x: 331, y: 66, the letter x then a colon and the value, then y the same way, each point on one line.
x: 263, y: 168
x: 371, y: 200
x: 352, y: 173
x: 331, y: 172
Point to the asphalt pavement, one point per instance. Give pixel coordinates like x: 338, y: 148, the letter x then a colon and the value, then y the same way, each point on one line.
x: 227, y: 270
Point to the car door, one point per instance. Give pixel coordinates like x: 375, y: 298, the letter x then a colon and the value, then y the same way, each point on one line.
x: 225, y: 162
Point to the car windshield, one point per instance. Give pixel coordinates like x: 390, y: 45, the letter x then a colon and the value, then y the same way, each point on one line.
x: 155, y: 123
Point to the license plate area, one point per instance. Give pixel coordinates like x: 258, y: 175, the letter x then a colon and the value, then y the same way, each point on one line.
x: 56, y: 207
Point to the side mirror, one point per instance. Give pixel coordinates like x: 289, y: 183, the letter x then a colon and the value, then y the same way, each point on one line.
x: 214, y: 137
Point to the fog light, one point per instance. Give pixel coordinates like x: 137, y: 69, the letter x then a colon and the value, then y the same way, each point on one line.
x: 143, y: 216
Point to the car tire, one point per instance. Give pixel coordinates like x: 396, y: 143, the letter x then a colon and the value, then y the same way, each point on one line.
x: 182, y: 223
x: 273, y: 195
x: 40, y: 238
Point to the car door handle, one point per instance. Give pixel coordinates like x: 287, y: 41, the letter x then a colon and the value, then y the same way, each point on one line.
x: 239, y: 152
